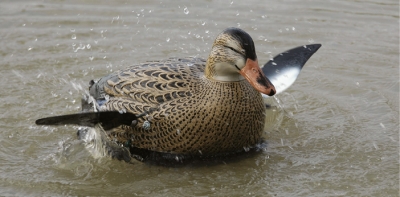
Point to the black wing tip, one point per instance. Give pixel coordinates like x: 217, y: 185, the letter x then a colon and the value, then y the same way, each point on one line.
x: 52, y: 120
x: 314, y: 47
x: 304, y: 52
x: 109, y: 119
x: 41, y: 121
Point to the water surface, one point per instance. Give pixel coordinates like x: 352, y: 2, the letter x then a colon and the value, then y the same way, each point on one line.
x: 335, y: 132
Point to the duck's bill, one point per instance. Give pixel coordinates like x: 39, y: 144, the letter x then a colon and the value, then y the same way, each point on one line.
x: 283, y: 70
x: 108, y: 119
x: 253, y: 73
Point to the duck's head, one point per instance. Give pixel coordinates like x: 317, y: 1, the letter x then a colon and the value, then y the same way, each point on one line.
x: 233, y: 58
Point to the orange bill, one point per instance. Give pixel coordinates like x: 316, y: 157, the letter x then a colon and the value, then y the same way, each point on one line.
x: 252, y: 72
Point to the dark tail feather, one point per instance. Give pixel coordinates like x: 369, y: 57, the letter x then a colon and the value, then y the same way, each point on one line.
x: 108, y: 119
x: 283, y: 70
x: 295, y: 57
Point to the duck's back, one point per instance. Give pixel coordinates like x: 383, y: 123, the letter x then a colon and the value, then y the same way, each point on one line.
x: 188, y: 114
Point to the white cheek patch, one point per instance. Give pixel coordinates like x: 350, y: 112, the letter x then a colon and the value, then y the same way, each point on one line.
x: 226, y: 72
x: 240, y: 63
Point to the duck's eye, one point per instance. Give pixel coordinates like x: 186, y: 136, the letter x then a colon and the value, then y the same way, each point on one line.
x: 233, y: 49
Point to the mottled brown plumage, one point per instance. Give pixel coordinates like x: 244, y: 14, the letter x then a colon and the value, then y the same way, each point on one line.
x: 194, y: 106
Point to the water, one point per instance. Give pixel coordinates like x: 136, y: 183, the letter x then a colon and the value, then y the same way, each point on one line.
x: 335, y: 132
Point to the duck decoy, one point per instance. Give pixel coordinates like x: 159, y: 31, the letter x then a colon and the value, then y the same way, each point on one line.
x: 189, y: 107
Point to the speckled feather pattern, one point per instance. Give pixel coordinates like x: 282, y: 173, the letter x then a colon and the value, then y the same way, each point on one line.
x: 189, y: 113
x: 194, y: 106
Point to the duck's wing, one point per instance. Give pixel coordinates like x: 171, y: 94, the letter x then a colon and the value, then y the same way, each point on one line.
x: 142, y: 87
x: 108, y: 119
x: 118, y: 98
x: 284, y: 69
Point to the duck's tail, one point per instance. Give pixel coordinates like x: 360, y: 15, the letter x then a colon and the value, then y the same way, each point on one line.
x: 283, y: 70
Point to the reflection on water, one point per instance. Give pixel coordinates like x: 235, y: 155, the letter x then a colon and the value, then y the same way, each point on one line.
x: 334, y: 132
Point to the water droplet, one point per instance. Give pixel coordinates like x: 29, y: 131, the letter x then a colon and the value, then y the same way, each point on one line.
x: 382, y: 125
x: 185, y: 10
x: 53, y: 94
x: 35, y: 39
x: 375, y: 146
x: 178, y: 131
x: 91, y: 58
x: 80, y: 47
x: 73, y: 36
x: 293, y: 29
x: 30, y: 48
x: 310, y: 40
x: 168, y: 39
x: 23, y: 25
x: 203, y: 23
x: 197, y: 36
x: 237, y: 13
x: 72, y: 30
x: 207, y: 31
x: 88, y: 46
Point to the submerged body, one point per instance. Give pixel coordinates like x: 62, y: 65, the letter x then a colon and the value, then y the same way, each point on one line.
x: 189, y: 114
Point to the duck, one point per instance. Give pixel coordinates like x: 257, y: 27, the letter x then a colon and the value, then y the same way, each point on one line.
x: 187, y: 107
